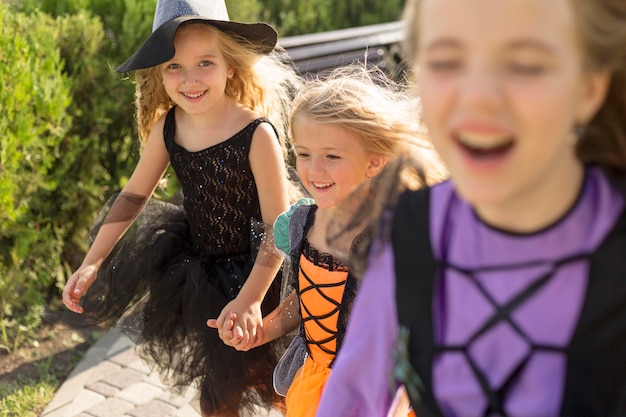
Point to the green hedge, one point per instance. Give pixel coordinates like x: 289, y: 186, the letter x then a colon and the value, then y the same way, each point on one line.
x: 34, y: 96
x: 296, y: 17
x: 69, y: 142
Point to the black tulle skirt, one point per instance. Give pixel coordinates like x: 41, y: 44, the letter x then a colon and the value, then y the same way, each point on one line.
x: 161, y: 292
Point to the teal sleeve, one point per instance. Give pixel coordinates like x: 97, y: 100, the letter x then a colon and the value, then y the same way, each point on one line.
x: 281, y: 225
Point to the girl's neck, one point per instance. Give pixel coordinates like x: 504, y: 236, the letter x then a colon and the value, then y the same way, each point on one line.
x: 332, y: 222
x: 538, y: 208
x: 323, y: 215
x: 195, y: 132
x: 219, y: 114
x: 318, y: 232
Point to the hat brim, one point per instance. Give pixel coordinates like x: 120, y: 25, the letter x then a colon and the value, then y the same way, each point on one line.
x: 159, y: 47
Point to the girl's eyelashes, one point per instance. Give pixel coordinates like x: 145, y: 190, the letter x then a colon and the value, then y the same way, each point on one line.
x: 175, y: 66
x: 446, y: 66
x: 526, y: 69
x: 443, y: 65
x: 304, y: 155
x: 442, y: 59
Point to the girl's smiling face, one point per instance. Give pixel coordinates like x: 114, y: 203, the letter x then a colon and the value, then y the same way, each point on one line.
x: 330, y: 161
x: 195, y: 78
x: 503, y: 86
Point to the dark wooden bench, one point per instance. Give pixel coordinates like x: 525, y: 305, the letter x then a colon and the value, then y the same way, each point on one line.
x: 374, y: 44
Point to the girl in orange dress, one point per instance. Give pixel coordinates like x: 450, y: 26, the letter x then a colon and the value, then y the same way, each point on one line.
x: 345, y: 129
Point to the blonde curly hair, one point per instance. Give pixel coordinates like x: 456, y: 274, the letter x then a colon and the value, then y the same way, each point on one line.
x: 263, y: 83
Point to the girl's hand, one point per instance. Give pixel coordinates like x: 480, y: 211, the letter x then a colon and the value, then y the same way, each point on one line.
x: 247, y: 323
x: 229, y: 333
x: 232, y: 335
x: 77, y: 285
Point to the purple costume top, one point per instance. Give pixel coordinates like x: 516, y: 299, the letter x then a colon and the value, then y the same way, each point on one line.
x: 483, y: 270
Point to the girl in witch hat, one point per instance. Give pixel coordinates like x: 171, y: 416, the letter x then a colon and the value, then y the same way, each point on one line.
x: 206, y: 89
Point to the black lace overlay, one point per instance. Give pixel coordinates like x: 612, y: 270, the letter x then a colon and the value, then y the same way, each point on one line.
x: 217, y: 219
x: 322, y: 259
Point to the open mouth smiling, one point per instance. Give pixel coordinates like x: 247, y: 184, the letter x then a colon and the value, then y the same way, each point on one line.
x: 194, y: 95
x: 321, y: 185
x: 484, y: 146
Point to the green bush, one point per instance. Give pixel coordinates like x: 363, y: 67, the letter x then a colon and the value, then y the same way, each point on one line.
x: 34, y: 95
x: 297, y: 17
x: 70, y: 141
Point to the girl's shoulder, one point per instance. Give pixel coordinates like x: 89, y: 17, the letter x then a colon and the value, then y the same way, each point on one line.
x: 262, y: 126
x: 283, y: 221
x: 616, y: 181
x: 410, y: 199
x: 162, y: 121
x: 412, y: 206
x: 157, y: 129
x: 251, y: 120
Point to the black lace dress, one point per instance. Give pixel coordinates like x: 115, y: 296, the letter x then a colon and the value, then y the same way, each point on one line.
x: 180, y: 265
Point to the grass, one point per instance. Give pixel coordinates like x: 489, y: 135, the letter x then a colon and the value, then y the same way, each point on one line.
x: 34, y: 372
x: 27, y: 398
